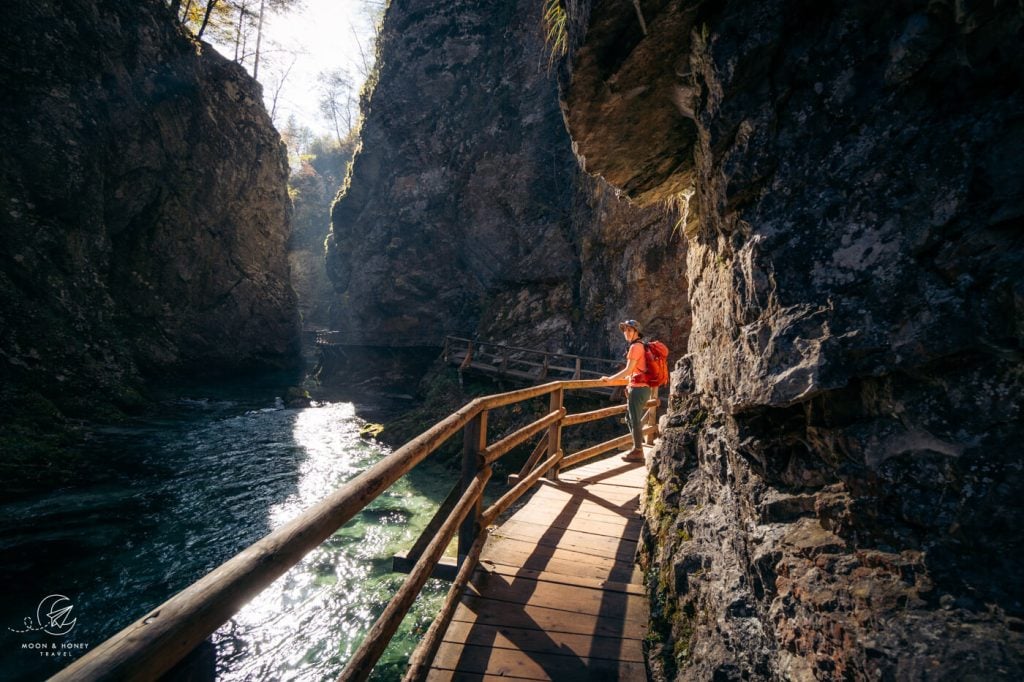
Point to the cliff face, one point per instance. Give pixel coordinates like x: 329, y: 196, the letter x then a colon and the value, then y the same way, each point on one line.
x: 837, y: 490
x: 313, y: 187
x: 144, y: 201
x: 465, y: 212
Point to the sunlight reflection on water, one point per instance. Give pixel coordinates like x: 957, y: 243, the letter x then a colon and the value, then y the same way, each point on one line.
x: 309, y: 621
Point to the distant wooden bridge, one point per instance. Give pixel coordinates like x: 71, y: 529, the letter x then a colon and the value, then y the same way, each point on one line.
x: 549, y: 593
x: 528, y: 365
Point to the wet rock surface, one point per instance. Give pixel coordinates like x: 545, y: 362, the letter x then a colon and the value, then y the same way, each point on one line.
x: 835, y: 495
x: 144, y: 207
x: 465, y: 211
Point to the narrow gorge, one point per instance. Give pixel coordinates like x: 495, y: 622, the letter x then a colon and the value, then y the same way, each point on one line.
x: 819, y: 207
x: 465, y: 211
x: 835, y: 493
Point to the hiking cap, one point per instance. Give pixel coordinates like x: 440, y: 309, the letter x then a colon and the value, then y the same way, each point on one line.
x: 630, y: 323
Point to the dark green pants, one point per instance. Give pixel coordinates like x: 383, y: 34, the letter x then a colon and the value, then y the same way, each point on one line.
x: 638, y: 397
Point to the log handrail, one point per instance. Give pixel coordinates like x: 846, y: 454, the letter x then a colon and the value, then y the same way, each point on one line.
x: 493, y: 452
x: 423, y: 656
x: 152, y: 645
x: 360, y: 665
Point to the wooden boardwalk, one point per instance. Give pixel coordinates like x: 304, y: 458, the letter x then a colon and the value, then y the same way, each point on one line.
x: 557, y: 595
x: 528, y: 365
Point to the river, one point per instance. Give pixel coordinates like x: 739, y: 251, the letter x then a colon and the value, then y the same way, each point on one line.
x: 172, y: 496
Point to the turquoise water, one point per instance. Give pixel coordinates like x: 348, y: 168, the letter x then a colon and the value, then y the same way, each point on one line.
x: 170, y: 498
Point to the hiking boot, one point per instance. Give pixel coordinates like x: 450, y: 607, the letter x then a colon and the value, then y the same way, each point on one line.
x: 636, y: 455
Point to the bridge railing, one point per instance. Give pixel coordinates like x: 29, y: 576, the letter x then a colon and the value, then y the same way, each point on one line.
x: 152, y: 645
x: 527, y: 364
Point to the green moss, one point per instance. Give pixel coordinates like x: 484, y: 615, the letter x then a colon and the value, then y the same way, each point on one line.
x: 683, y: 629
x: 697, y: 420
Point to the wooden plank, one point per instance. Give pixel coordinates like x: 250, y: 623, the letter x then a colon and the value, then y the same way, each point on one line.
x: 599, y: 449
x: 605, y: 495
x: 500, y: 547
x: 617, y: 500
x: 525, y: 639
x: 580, y: 541
x: 606, y: 491
x: 535, y: 665
x: 531, y: 559
x: 556, y: 503
x: 624, y: 551
x: 612, y: 471
x: 474, y: 609
x: 604, y: 526
x: 614, y: 531
x: 627, y: 477
x: 571, y: 598
x: 567, y: 490
x: 593, y: 525
x: 637, y: 480
x: 446, y: 568
x: 529, y: 574
x: 436, y: 675
x: 606, y: 521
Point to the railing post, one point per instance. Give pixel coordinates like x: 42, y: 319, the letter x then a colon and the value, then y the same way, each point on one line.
x: 652, y: 418
x: 444, y: 354
x: 473, y: 445
x: 579, y: 369
x: 555, y: 430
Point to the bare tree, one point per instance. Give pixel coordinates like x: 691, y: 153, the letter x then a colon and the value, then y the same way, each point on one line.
x: 210, y: 4
x: 278, y: 84
x: 338, y: 101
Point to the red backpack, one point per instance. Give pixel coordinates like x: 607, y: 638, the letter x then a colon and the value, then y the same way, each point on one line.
x: 656, y: 363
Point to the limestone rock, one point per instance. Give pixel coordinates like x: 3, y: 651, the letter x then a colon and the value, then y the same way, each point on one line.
x: 465, y: 212
x: 144, y: 207
x: 840, y: 468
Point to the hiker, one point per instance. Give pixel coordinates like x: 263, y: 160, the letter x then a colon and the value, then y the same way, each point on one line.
x: 637, y: 389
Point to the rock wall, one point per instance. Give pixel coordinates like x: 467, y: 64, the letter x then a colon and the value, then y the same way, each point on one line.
x: 836, y: 495
x: 464, y: 211
x: 313, y: 187
x: 144, y: 207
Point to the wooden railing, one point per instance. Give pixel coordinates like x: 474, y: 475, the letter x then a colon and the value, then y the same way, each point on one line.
x: 152, y: 645
x: 527, y: 364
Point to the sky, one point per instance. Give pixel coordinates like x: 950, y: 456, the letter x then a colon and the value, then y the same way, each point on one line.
x: 322, y: 35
